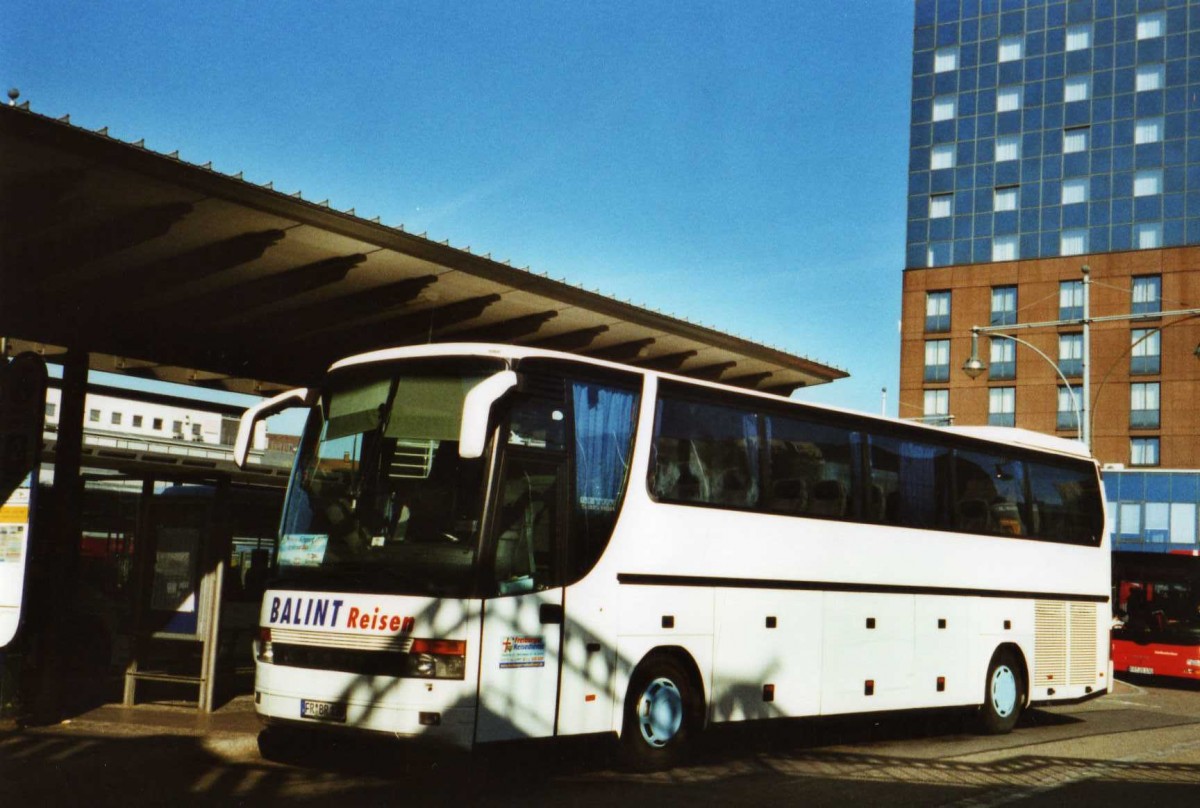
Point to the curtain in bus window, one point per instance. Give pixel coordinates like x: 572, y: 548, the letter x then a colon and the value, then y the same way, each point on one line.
x: 603, y: 432
x: 919, y: 499
x: 604, y: 422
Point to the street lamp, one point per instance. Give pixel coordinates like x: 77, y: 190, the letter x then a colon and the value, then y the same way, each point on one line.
x: 975, y: 366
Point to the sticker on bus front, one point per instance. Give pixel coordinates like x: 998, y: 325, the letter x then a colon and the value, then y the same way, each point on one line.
x: 523, y: 652
x: 302, y: 549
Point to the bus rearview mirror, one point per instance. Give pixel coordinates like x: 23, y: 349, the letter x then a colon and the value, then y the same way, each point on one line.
x: 264, y: 409
x: 477, y: 407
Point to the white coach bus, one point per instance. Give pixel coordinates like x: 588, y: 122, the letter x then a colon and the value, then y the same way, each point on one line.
x: 483, y: 543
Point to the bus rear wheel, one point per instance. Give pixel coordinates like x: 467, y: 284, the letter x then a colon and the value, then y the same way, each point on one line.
x: 662, y: 715
x: 1003, y: 694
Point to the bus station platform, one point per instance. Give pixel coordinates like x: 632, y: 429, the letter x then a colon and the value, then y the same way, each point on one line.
x: 230, y: 732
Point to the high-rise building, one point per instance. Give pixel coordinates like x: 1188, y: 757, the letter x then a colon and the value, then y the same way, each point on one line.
x: 1045, y: 137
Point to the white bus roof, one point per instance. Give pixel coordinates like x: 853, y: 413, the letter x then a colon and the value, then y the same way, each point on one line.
x: 1013, y: 436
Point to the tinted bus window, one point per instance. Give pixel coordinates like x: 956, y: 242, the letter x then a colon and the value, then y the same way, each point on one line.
x: 705, y: 453
x: 810, y: 468
x: 989, y: 495
x: 1066, y: 503
x: 911, y: 479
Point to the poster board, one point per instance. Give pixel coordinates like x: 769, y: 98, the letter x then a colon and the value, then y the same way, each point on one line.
x: 14, y: 555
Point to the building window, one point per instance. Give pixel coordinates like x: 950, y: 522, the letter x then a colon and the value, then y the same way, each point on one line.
x: 1008, y: 147
x: 1079, y: 36
x: 1149, y: 77
x: 945, y: 59
x: 196, y: 431
x: 1143, y: 451
x: 1008, y: 99
x: 945, y: 108
x: 1070, y: 300
x: 1004, y: 248
x: 1147, y: 295
x: 1146, y: 352
x: 94, y: 416
x: 1011, y: 48
x: 1148, y: 130
x: 1075, y: 139
x: 1147, y: 182
x: 937, y: 312
x: 942, y: 156
x: 1143, y: 405
x: 1004, y: 305
x: 1070, y: 354
x: 940, y: 205
x: 158, y: 424
x: 937, y: 360
x: 1002, y: 359
x: 938, y: 254
x: 1075, y: 190
x: 116, y: 419
x: 1068, y: 413
x: 1002, y: 406
x: 177, y: 428
x: 1148, y: 235
x: 1005, y: 199
x: 51, y: 409
x: 137, y: 421
x: 937, y: 405
x: 1073, y: 242
x: 1076, y: 88
x: 1151, y: 25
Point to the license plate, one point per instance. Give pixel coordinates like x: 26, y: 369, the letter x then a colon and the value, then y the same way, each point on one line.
x: 1136, y: 669
x: 322, y: 710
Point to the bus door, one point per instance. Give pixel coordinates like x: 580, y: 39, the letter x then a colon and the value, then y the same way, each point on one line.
x: 523, y: 623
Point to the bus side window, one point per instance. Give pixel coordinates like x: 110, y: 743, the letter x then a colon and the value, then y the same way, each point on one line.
x: 810, y: 468
x: 706, y: 454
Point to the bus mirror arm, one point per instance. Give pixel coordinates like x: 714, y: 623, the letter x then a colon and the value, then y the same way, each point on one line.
x: 264, y: 409
x: 477, y: 408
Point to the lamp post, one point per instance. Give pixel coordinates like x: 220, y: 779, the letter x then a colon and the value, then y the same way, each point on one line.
x: 975, y: 366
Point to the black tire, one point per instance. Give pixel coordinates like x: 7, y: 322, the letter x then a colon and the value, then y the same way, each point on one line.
x: 1003, y: 694
x: 663, y: 715
x: 280, y: 744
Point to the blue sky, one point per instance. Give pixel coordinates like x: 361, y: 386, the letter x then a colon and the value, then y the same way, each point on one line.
x: 740, y: 164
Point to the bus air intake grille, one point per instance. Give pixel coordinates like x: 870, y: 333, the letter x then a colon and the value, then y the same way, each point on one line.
x: 1050, y: 630
x: 330, y: 639
x: 1083, y: 644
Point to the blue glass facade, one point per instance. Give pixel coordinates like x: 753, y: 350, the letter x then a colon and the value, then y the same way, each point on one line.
x: 1153, y: 511
x: 1043, y: 128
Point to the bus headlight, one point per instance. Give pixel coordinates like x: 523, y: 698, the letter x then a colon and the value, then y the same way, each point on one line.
x: 437, y: 659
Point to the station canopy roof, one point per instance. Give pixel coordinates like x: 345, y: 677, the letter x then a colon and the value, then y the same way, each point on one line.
x: 169, y: 270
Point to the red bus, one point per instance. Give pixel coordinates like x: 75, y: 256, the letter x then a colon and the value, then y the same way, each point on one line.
x: 1156, y: 614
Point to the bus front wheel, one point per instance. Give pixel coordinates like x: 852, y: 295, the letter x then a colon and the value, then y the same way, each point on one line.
x: 1003, y: 694
x: 662, y: 715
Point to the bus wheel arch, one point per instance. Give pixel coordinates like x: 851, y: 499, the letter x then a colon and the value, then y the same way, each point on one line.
x: 1005, y: 691
x: 664, y: 710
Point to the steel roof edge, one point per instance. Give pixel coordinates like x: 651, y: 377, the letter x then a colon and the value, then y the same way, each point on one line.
x: 136, y: 157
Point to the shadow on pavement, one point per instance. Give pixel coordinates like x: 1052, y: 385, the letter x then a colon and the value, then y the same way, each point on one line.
x: 826, y: 762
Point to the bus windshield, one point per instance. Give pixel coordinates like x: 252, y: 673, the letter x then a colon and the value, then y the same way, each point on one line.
x: 380, y: 499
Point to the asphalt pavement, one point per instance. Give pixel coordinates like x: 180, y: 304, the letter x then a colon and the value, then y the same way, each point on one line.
x: 1138, y: 745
